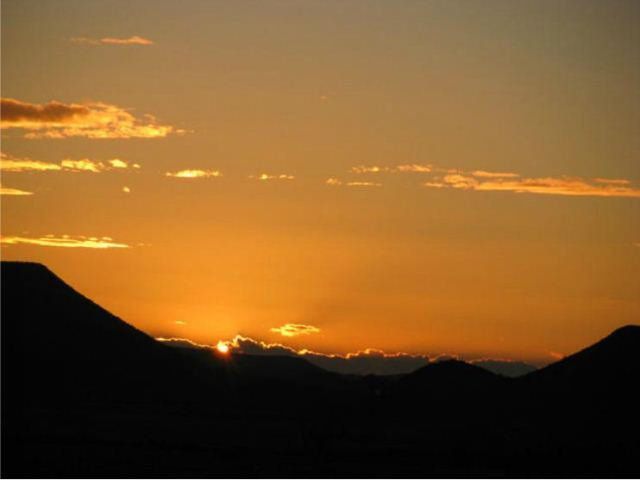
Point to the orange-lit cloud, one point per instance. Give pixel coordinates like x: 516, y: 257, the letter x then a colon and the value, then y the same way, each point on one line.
x: 414, y: 168
x: 483, y: 180
x: 66, y: 241
x: 11, y: 164
x: 134, y: 40
x: 369, y: 169
x: 485, y: 174
x: 126, y: 190
x: 363, y: 362
x: 194, y: 174
x: 267, y: 176
x: 13, y: 191
x: 570, y: 186
x: 336, y: 182
x: 363, y: 184
x: 295, y: 329
x: 404, y: 168
x: 94, y: 120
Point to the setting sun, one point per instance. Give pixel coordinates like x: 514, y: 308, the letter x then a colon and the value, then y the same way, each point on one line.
x: 222, y: 347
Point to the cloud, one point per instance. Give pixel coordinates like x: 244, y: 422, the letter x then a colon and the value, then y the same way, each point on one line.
x: 11, y: 164
x: 414, y: 168
x: 295, y: 329
x: 13, y: 191
x: 182, y: 342
x: 126, y: 190
x: 336, y: 182
x: 405, y: 168
x: 134, y: 40
x: 83, y: 165
x: 267, y: 176
x: 95, y: 120
x: 180, y: 322
x: 569, y: 186
x: 65, y: 241
x: 363, y: 184
x: 369, y: 169
x: 612, y: 181
x: 363, y: 362
x: 485, y: 174
x: 194, y: 174
x: 483, y: 180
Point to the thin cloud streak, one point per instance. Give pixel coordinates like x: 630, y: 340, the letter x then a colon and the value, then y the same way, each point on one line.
x: 14, y: 191
x: 567, y: 186
x: 15, y: 165
x: 65, y: 241
x: 94, y: 120
x: 266, y: 177
x: 133, y: 40
x: 404, y: 168
x: 336, y: 182
x: 194, y: 173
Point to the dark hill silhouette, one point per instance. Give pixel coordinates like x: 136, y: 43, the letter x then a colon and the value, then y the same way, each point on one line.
x: 505, y: 368
x: 85, y: 394
x: 60, y: 346
x: 609, y: 363
x: 446, y: 382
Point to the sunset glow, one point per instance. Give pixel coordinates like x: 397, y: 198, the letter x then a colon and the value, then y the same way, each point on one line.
x: 431, y: 178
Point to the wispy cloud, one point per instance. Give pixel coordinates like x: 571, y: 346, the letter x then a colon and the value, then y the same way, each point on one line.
x: 485, y: 174
x: 484, y: 180
x: 9, y: 163
x: 363, y: 184
x: 569, y: 186
x: 295, y: 329
x: 369, y: 169
x: 66, y: 241
x: 14, y: 191
x: 403, y: 168
x: 134, y: 40
x: 267, y: 176
x: 194, y: 174
x: 12, y: 164
x: 95, y: 120
x: 336, y: 182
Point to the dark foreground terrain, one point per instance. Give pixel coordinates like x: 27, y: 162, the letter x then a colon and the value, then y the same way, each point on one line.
x: 85, y: 394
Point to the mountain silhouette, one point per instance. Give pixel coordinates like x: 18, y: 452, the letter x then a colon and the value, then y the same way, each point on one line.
x: 86, y: 394
x: 63, y: 347
x: 609, y: 363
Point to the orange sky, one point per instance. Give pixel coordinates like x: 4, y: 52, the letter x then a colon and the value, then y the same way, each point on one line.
x: 428, y: 177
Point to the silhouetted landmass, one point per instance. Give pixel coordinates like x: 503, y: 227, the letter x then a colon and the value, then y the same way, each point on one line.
x: 85, y: 394
x: 505, y: 368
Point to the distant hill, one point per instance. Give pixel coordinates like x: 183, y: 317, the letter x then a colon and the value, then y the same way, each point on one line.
x: 505, y: 367
x: 609, y: 363
x: 61, y: 347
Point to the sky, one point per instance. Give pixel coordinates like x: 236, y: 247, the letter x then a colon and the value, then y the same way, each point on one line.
x: 435, y: 178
